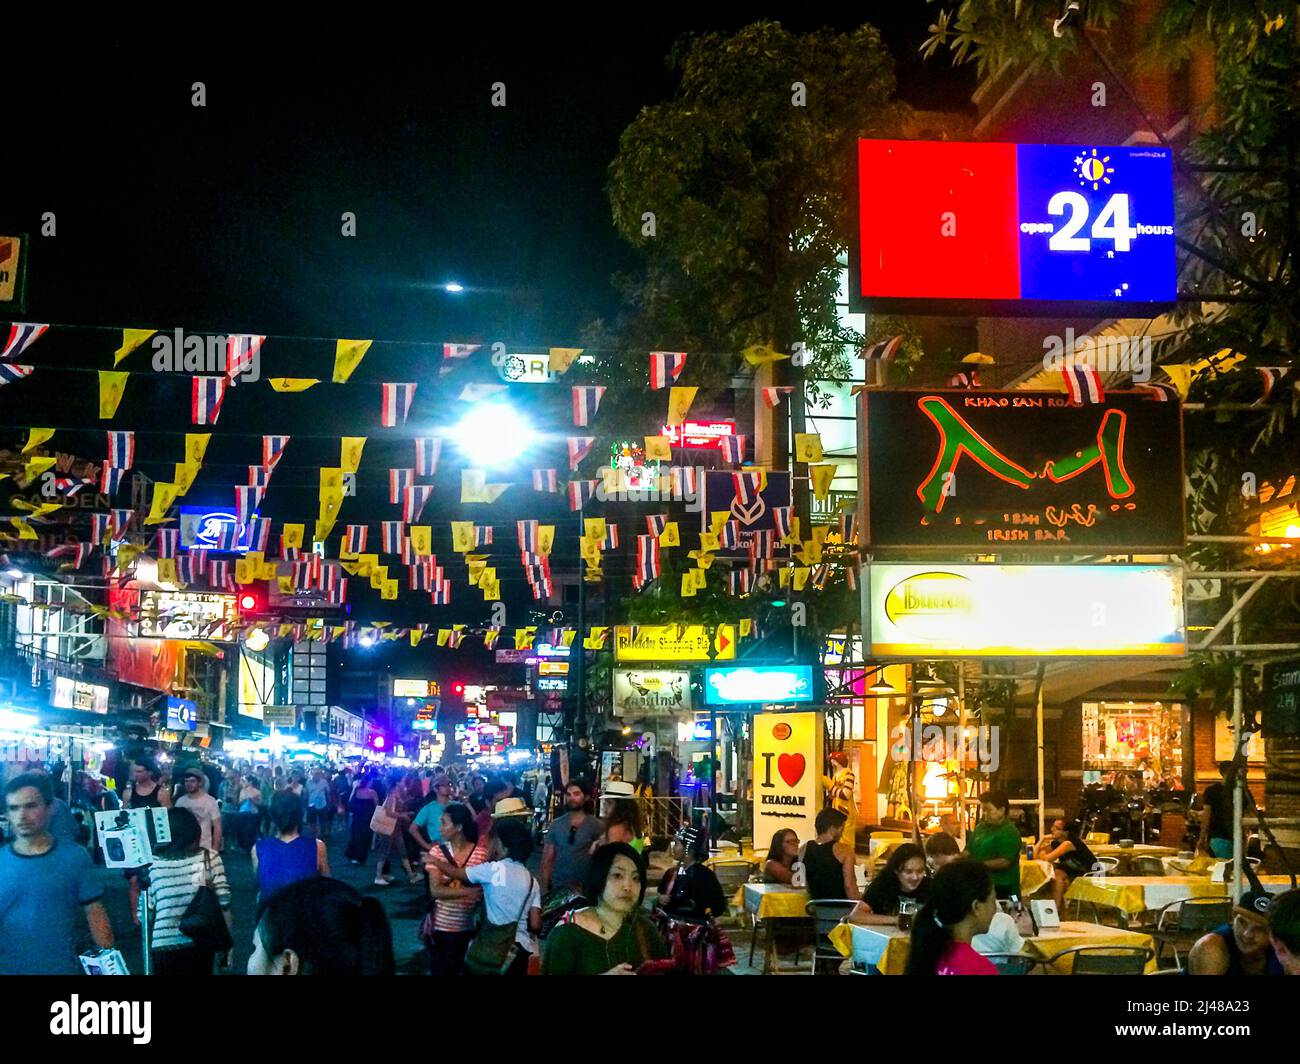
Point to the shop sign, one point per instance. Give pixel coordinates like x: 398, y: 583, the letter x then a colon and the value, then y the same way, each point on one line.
x: 758, y: 684
x: 752, y: 516
x: 515, y: 657
x: 552, y: 683
x: 203, y: 526
x: 1281, y: 713
x: 187, y: 615
x: 650, y: 692
x: 674, y: 642
x: 280, y: 716
x: 552, y: 668
x: 699, y: 434
x: 787, y: 775
x: 182, y: 714
x: 551, y: 650
x: 1024, y: 610
x: 415, y: 688
x: 966, y: 228
x: 1020, y: 471
x: 74, y: 694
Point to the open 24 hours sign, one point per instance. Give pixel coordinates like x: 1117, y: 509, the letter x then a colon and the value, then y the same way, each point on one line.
x: 963, y: 227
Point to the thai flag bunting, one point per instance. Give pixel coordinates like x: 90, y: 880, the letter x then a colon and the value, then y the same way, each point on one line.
x: 965, y: 378
x: 392, y: 533
x: 206, y: 394
x: 586, y: 401
x: 356, y: 539
x: 682, y: 481
x: 110, y: 480
x: 764, y: 543
x: 746, y: 487
x: 655, y: 523
x: 329, y: 576
x: 228, y: 535
x: 419, y: 578
x: 81, y: 551
x: 848, y: 528
x: 482, y: 535
x: 1160, y: 393
x: 733, y: 449
x: 527, y: 535
x: 442, y: 594
x: 299, y: 632
x: 611, y: 537
x: 99, y: 529
x: 740, y: 581
x: 248, y: 497
x: 259, y: 533
x: 167, y: 540
x: 665, y: 368
x: 884, y: 350
x: 851, y: 575
x: 121, y: 449
x: 453, y: 640
x: 338, y: 594
x: 219, y: 575
x: 199, y: 560
x: 398, y: 481
x: 1270, y: 377
x: 287, y: 552
x: 395, y: 403
x: 408, y: 550
x: 773, y: 396
x: 579, y: 446
x: 241, y: 353
x: 302, y: 575
x: 545, y: 480
x: 729, y: 537
x: 820, y: 574
x: 185, y: 570
x: 428, y: 449
x: 413, y: 500
x: 12, y: 371
x: 21, y: 336
x: 120, y: 521
x: 68, y: 486
x: 459, y: 350
x: 781, y: 520
x: 1083, y: 384
x: 581, y: 492
x: 647, y: 558
x: 272, y: 449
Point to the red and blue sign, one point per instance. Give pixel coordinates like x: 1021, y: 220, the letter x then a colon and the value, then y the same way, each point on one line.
x: 960, y: 227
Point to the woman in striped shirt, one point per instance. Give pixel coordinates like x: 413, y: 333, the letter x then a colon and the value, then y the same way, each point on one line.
x: 454, y: 902
x: 178, y: 872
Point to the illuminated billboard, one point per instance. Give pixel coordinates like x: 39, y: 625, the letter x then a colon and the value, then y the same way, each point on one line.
x: 187, y: 615
x: 1019, y: 471
x: 1024, y: 610
x: 772, y: 684
x: 699, y: 434
x: 674, y: 642
x: 962, y: 227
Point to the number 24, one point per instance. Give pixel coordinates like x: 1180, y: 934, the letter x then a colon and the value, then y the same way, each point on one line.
x: 1111, y: 223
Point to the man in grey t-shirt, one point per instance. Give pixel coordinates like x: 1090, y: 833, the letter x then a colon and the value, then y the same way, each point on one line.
x: 567, y: 854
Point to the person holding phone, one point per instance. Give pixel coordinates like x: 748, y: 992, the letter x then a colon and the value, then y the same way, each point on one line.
x: 454, y: 901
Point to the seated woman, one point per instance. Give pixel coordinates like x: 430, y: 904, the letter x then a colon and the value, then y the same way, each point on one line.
x: 613, y: 936
x: 904, y: 877
x: 1069, y: 856
x: 961, y: 906
x: 941, y: 849
x: 781, y: 857
x: 691, y: 891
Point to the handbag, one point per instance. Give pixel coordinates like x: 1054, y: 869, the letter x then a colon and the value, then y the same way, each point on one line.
x: 382, y: 822
x: 203, y: 921
x: 494, y: 948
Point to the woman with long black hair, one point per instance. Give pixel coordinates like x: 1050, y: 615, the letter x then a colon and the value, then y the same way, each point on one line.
x: 962, y: 904
x: 904, y: 878
x: 320, y: 926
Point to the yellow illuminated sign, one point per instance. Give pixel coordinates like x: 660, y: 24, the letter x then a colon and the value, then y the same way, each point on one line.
x: 787, y: 775
x: 675, y: 642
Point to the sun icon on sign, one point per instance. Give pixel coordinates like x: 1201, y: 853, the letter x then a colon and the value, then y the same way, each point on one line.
x: 1093, y: 170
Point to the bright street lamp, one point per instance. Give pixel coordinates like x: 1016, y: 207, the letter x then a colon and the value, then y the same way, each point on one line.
x: 493, y: 434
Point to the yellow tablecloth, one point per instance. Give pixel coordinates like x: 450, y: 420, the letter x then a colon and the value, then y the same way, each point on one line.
x: 1109, y: 849
x: 775, y: 901
x: 897, y: 945
x: 1033, y: 875
x: 1135, y: 894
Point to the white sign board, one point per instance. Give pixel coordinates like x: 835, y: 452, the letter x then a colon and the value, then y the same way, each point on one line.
x: 651, y: 692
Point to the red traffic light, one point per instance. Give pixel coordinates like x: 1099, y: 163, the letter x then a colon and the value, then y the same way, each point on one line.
x: 247, y: 601
x: 458, y: 688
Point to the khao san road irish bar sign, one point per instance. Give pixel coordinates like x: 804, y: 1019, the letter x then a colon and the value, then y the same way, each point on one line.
x: 1019, y: 471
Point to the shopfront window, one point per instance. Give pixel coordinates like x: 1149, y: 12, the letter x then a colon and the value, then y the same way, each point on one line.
x: 1138, y: 744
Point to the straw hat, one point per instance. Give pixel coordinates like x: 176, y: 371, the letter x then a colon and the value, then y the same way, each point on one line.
x: 509, y: 807
x: 618, y: 789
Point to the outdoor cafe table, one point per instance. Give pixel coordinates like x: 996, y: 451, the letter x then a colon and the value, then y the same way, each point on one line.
x: 1137, y: 894
x: 886, y: 948
x: 1126, y: 855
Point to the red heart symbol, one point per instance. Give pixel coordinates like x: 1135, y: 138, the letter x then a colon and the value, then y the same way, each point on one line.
x: 791, y: 767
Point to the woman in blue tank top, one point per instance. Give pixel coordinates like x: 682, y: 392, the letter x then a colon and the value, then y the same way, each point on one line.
x: 288, y: 857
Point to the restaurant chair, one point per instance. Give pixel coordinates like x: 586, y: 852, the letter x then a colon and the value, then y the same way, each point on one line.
x: 1011, y: 963
x: 1106, y: 960
x: 732, y: 874
x: 826, y: 915
x: 1180, y: 923
x: 1105, y: 865
x: 1148, y: 866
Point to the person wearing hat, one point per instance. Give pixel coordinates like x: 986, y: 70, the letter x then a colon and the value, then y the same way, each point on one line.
x: 1284, y: 930
x: 621, y: 812
x: 206, y: 809
x: 511, y: 809
x: 691, y: 890
x: 1239, y: 948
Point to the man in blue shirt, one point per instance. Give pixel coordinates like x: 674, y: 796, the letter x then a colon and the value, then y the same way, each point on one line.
x: 47, y: 887
x: 427, y: 828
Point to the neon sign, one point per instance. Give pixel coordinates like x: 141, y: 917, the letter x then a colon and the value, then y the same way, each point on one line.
x: 993, y: 469
x: 699, y: 434
x: 1014, y: 228
x: 203, y: 526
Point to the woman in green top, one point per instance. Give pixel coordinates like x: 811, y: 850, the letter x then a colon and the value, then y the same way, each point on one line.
x: 995, y: 843
x: 613, y: 936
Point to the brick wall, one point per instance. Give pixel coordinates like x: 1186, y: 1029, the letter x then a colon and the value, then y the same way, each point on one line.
x: 1206, y: 764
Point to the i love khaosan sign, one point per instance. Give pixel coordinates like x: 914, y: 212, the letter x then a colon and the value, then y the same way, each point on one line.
x: 787, y: 775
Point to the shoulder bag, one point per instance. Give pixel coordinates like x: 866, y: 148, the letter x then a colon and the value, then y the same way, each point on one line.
x: 382, y: 822
x: 494, y: 947
x: 203, y: 921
